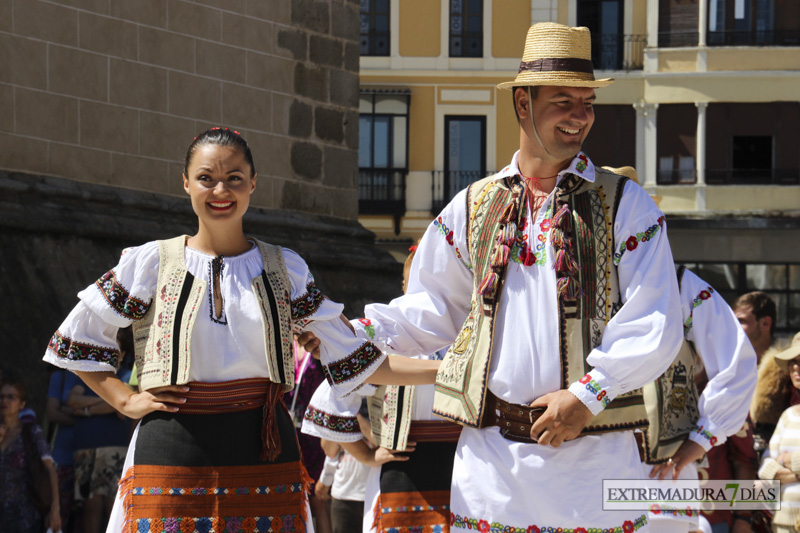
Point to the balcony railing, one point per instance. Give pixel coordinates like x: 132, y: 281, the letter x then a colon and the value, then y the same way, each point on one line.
x: 760, y: 176
x: 382, y: 191
x: 676, y: 177
x: 678, y: 39
x: 618, y: 52
x: 445, y: 185
x: 754, y: 38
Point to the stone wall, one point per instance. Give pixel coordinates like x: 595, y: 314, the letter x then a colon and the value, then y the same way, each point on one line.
x: 99, y: 100
x: 113, y: 91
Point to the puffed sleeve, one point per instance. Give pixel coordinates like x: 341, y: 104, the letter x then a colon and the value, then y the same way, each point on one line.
x: 728, y: 357
x: 331, y: 418
x: 86, y: 340
x: 643, y: 337
x: 346, y: 359
x: 429, y: 316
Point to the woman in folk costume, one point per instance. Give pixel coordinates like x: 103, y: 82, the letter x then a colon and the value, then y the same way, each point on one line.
x: 213, y: 316
x: 409, y: 492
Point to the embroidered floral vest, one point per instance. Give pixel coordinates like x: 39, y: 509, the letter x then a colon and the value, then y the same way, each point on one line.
x: 461, y: 383
x: 390, y: 415
x: 671, y: 401
x: 163, y: 337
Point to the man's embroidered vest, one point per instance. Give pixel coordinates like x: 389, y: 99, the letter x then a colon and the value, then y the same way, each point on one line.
x: 671, y: 402
x: 461, y: 382
x: 163, y: 338
x: 390, y: 415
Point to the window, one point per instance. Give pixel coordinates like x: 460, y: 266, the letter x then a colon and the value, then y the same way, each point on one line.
x: 753, y: 22
x: 383, y: 152
x: 677, y: 23
x: 752, y: 157
x: 464, y: 158
x: 466, y: 28
x: 374, y: 27
x: 780, y: 281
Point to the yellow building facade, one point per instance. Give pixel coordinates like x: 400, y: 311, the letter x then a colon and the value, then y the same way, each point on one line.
x: 706, y: 106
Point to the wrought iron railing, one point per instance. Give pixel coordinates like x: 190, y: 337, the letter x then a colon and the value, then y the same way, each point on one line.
x: 759, y: 176
x: 676, y: 177
x: 445, y: 185
x: 618, y: 52
x: 754, y: 38
x: 678, y: 39
x: 382, y: 191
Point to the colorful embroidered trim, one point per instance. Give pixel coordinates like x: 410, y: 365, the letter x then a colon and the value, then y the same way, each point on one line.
x: 119, y: 299
x: 307, y: 304
x: 353, y: 365
x: 448, y: 235
x: 520, y: 251
x: 700, y: 430
x: 340, y: 424
x: 212, y: 524
x: 485, y: 527
x: 594, y: 387
x: 704, y: 295
x: 633, y: 241
x: 368, y: 327
x: 412, y: 512
x: 583, y: 162
x: 66, y: 348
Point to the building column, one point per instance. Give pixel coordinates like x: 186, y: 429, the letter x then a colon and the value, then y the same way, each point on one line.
x: 646, y: 143
x: 700, y: 157
x: 702, y: 24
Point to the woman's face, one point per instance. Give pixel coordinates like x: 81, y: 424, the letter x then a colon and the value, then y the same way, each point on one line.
x: 794, y: 372
x: 219, y: 182
x: 10, y: 402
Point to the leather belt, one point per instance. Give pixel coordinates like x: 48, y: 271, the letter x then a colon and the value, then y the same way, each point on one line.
x: 515, y: 421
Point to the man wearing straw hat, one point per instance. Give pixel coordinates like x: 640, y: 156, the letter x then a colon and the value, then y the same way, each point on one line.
x: 553, y: 281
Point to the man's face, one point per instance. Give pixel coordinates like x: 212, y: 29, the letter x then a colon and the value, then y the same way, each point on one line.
x: 752, y: 327
x: 563, y: 117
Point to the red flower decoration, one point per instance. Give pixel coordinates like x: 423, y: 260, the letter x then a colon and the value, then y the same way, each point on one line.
x: 631, y: 243
x: 713, y: 441
x: 585, y: 379
x: 365, y: 321
x: 412, y: 248
x: 483, y: 526
x: 452, y: 519
x: 580, y: 530
x: 705, y: 295
x: 545, y: 225
x: 627, y: 527
x: 532, y: 529
x: 601, y: 395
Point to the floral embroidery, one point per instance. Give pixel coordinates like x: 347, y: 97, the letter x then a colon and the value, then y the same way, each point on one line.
x: 66, y: 348
x: 119, y: 299
x: 308, y: 303
x: 633, y: 241
x: 368, y: 327
x: 495, y: 527
x: 581, y: 165
x: 341, y: 424
x: 448, y: 235
x: 205, y: 524
x: 704, y: 295
x: 700, y: 430
x: 353, y: 365
x: 594, y: 387
x: 521, y: 252
x: 285, y: 488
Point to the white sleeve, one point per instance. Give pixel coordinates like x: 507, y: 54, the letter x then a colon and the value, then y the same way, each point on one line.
x: 437, y: 300
x: 347, y: 360
x: 728, y: 357
x: 332, y: 418
x: 86, y: 340
x: 643, y: 337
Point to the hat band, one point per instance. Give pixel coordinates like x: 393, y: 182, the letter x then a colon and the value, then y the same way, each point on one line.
x: 568, y: 64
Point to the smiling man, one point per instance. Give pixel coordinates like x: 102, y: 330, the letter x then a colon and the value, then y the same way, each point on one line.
x: 553, y: 281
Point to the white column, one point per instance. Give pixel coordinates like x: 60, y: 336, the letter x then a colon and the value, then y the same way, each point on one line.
x: 639, y: 107
x: 650, y: 145
x: 700, y: 158
x: 702, y: 25
x: 652, y: 23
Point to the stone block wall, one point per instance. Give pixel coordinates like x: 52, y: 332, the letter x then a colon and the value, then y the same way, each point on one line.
x: 113, y: 91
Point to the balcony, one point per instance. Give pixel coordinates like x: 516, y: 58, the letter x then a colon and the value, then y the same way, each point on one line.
x: 618, y: 52
x: 754, y: 38
x: 382, y: 191
x: 446, y: 184
x: 757, y: 176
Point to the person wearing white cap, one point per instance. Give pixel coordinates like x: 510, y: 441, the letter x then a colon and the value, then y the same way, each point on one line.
x: 553, y: 280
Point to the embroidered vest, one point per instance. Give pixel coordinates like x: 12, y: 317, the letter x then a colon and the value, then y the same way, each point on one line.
x: 671, y: 402
x: 390, y: 415
x: 163, y: 338
x: 461, y: 382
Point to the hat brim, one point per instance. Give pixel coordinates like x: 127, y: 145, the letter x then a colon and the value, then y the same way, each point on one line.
x: 782, y: 359
x: 556, y: 82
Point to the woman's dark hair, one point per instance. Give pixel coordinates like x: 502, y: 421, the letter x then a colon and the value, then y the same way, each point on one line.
x: 221, y: 137
x: 19, y: 386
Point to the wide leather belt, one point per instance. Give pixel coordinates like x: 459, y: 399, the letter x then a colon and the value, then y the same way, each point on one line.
x: 515, y: 421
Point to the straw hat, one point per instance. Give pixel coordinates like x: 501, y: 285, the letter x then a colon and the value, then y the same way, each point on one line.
x: 556, y: 55
x: 783, y: 358
x: 630, y: 172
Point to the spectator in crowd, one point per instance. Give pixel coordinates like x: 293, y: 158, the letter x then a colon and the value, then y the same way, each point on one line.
x: 782, y: 458
x: 62, y: 417
x: 18, y: 512
x: 757, y: 314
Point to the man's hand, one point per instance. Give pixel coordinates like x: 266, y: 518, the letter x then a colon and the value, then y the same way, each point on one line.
x: 688, y: 452
x: 309, y: 342
x: 564, y: 419
x: 323, y: 492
